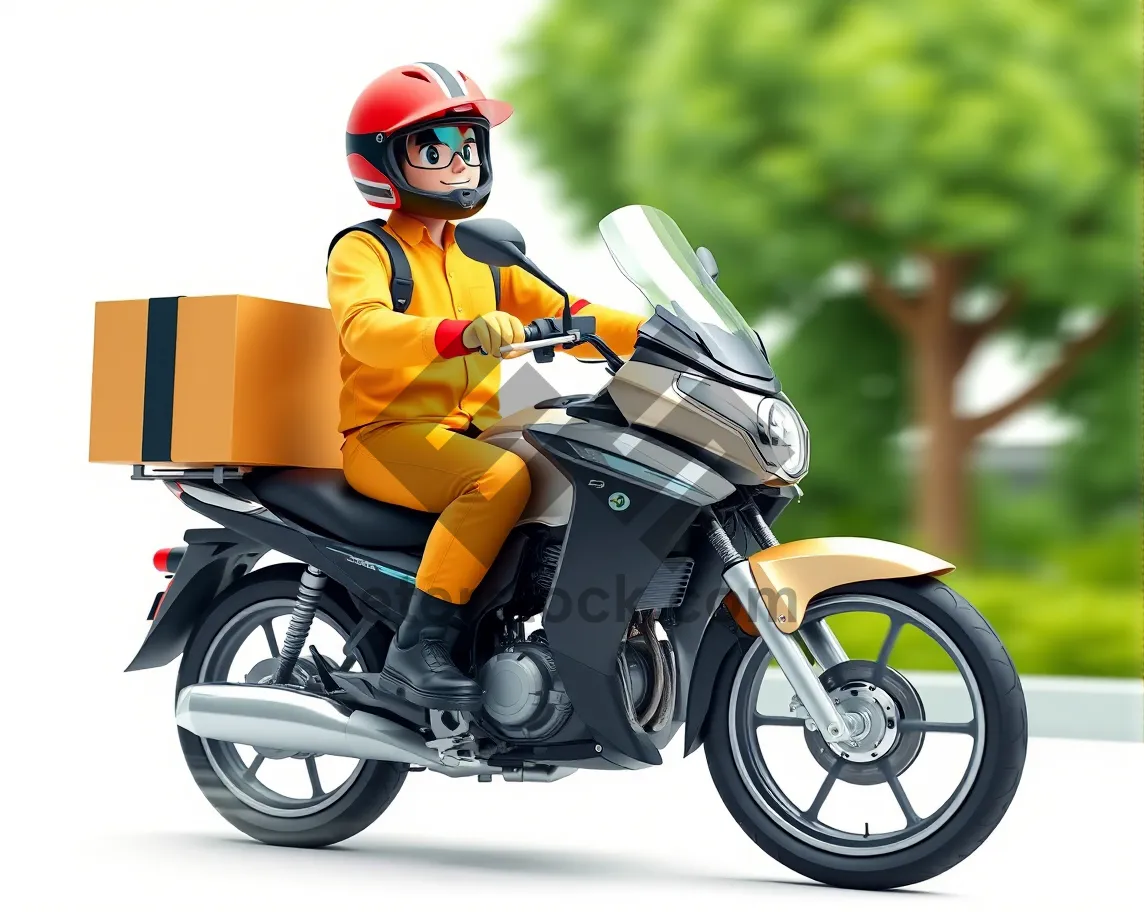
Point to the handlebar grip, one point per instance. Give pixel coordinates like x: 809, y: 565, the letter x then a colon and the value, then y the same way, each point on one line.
x: 552, y: 327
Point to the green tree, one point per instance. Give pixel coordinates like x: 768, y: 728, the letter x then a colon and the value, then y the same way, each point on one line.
x: 979, y: 162
x: 856, y: 392
x: 1099, y: 468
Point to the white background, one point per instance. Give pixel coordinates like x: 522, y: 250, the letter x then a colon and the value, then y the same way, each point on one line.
x: 197, y: 148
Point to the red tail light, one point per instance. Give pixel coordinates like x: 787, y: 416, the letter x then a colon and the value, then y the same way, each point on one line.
x: 166, y: 560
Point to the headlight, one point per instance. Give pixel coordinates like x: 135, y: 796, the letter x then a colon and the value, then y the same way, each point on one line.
x: 784, y: 437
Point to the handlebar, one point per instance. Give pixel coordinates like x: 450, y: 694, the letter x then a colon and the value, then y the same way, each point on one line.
x: 549, y: 332
x: 533, y: 332
x: 540, y: 343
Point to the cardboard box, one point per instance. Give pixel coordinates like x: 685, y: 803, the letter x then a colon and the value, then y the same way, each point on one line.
x: 221, y: 380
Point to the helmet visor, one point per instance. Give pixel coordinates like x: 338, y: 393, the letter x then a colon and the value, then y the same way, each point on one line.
x: 434, y: 147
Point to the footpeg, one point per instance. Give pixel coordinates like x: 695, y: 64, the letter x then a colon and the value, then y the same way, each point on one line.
x: 354, y: 689
x: 455, y: 749
x: 454, y: 743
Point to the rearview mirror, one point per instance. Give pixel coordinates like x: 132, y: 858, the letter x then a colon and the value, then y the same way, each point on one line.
x: 497, y: 243
x: 707, y: 261
x: 492, y: 241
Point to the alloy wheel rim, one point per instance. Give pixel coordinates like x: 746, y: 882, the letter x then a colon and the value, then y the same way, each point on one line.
x: 757, y: 776
x: 240, y: 777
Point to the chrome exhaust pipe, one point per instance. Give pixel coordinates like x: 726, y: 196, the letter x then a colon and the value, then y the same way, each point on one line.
x: 283, y: 718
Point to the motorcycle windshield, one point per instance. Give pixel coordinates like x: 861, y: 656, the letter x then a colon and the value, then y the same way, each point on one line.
x: 652, y: 252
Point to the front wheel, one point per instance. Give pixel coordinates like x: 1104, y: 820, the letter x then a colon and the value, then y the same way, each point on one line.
x: 277, y: 797
x: 871, y: 813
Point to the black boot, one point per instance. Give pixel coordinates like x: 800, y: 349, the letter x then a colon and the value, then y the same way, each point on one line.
x: 419, y: 667
x: 454, y: 630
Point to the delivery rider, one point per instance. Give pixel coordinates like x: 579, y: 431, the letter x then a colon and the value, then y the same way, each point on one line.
x: 417, y: 384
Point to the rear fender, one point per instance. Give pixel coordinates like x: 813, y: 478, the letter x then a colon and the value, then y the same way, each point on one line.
x: 215, y: 559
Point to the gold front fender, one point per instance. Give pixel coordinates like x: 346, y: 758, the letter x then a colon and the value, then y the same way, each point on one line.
x: 791, y: 574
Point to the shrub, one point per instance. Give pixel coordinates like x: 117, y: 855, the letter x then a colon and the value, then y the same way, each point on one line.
x: 1049, y: 627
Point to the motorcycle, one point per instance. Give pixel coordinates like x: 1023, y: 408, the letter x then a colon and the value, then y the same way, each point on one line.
x: 642, y: 595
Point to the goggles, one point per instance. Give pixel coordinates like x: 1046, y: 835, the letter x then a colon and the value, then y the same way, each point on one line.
x: 433, y: 148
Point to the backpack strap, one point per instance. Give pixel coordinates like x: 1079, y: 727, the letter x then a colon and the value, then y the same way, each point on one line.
x: 495, y: 270
x: 401, y: 277
x: 401, y: 281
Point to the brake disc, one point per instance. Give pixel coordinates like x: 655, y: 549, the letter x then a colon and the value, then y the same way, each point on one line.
x: 882, y: 707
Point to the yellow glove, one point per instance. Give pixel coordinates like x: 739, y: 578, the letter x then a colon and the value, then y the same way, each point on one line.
x: 490, y: 331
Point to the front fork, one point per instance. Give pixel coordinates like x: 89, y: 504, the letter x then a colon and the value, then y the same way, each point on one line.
x: 823, y: 714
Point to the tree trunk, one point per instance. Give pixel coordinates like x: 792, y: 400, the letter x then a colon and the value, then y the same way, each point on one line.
x: 939, y: 347
x: 942, y: 495
x: 942, y: 500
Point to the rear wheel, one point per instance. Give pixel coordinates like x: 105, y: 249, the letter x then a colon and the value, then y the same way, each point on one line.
x: 880, y: 816
x: 279, y: 797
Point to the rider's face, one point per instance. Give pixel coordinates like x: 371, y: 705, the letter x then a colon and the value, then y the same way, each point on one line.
x: 442, y: 159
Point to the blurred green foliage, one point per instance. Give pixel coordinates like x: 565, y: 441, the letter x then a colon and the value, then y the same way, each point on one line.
x: 789, y: 137
x: 1098, y: 471
x: 856, y: 391
x: 1038, y: 533
x: 1053, y: 628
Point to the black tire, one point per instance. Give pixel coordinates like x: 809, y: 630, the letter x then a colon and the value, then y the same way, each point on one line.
x: 983, y: 807
x: 376, y: 784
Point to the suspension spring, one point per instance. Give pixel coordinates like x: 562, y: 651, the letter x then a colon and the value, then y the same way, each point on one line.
x: 305, y: 604
x: 759, y: 527
x: 722, y: 543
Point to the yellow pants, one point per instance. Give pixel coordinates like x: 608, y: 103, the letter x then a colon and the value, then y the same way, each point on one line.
x: 480, y: 491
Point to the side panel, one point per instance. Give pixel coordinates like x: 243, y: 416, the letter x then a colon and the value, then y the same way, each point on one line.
x: 369, y: 576
x: 634, y: 453
x: 648, y: 396
x: 621, y: 530
x: 552, y: 495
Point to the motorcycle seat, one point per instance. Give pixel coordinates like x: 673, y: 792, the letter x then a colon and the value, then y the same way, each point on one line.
x: 322, y: 500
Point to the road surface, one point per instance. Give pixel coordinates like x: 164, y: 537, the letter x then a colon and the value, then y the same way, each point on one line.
x: 104, y: 814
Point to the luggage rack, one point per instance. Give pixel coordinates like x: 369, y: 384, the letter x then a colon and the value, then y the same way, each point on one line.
x: 218, y: 474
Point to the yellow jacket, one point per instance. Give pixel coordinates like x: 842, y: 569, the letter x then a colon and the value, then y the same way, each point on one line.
x: 412, y: 366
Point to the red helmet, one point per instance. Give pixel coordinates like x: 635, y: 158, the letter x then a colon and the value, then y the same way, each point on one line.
x: 401, y: 101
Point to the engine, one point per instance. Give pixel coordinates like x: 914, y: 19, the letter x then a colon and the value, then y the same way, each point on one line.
x: 525, y: 700
x: 524, y: 697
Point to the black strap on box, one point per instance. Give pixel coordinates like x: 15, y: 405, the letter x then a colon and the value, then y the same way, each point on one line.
x: 401, y: 276
x: 159, y: 379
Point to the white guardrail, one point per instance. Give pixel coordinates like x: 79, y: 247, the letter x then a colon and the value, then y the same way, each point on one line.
x: 1093, y: 709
